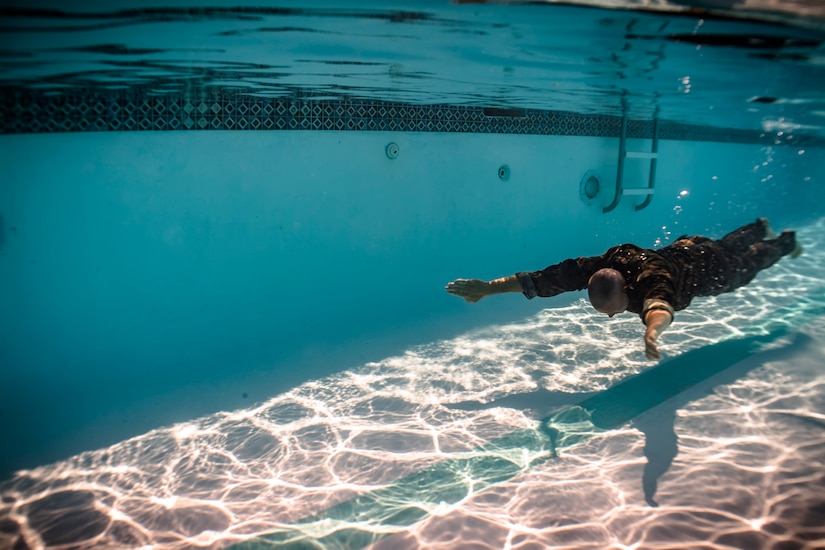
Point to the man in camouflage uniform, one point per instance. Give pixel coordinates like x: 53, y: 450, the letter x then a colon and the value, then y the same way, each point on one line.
x: 652, y: 283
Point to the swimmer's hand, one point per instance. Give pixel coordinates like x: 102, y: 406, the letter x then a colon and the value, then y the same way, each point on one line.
x: 471, y: 290
x: 474, y: 290
x: 651, y: 349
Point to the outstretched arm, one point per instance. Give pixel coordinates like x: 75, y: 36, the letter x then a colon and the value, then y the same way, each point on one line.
x: 474, y: 290
x: 657, y: 320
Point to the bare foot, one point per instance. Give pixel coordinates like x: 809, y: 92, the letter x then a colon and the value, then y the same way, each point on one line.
x: 797, y: 251
x: 769, y: 232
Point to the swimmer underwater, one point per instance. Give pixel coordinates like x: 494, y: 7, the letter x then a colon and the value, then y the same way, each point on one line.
x: 651, y: 283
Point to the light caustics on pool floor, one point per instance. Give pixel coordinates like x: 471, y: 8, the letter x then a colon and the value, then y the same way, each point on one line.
x: 440, y: 447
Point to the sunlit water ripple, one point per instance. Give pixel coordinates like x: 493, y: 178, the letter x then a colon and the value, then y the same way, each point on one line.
x: 749, y: 473
x: 568, y: 58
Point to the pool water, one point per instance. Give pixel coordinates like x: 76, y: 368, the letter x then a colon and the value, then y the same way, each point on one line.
x: 443, y: 446
x: 222, y: 308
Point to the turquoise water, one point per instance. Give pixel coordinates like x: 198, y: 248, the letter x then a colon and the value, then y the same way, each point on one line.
x: 704, y: 68
x: 216, y: 336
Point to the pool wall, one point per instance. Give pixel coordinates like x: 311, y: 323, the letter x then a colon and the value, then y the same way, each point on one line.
x: 147, y: 278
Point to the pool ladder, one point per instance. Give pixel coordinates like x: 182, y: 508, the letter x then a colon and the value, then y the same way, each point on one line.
x: 653, y: 155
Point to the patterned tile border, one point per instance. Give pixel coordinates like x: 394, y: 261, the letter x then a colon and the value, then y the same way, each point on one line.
x: 24, y: 111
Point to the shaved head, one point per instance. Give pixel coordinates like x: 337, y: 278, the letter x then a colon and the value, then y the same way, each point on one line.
x: 606, y: 290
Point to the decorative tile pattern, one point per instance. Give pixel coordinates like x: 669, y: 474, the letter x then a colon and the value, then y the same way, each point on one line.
x: 84, y: 110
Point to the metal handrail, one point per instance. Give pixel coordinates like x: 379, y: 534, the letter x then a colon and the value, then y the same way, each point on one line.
x: 623, y: 154
x: 655, y: 150
x: 620, y: 170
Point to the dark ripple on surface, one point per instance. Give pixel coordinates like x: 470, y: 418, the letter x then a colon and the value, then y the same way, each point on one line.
x: 560, y: 58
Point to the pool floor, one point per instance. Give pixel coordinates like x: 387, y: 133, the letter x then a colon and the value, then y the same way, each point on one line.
x: 525, y: 435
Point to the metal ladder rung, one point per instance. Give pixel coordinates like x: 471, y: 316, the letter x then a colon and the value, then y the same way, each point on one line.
x: 632, y: 191
x: 624, y: 154
x: 641, y: 155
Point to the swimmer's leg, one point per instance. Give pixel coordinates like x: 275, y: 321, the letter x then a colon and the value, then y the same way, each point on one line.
x: 742, y: 238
